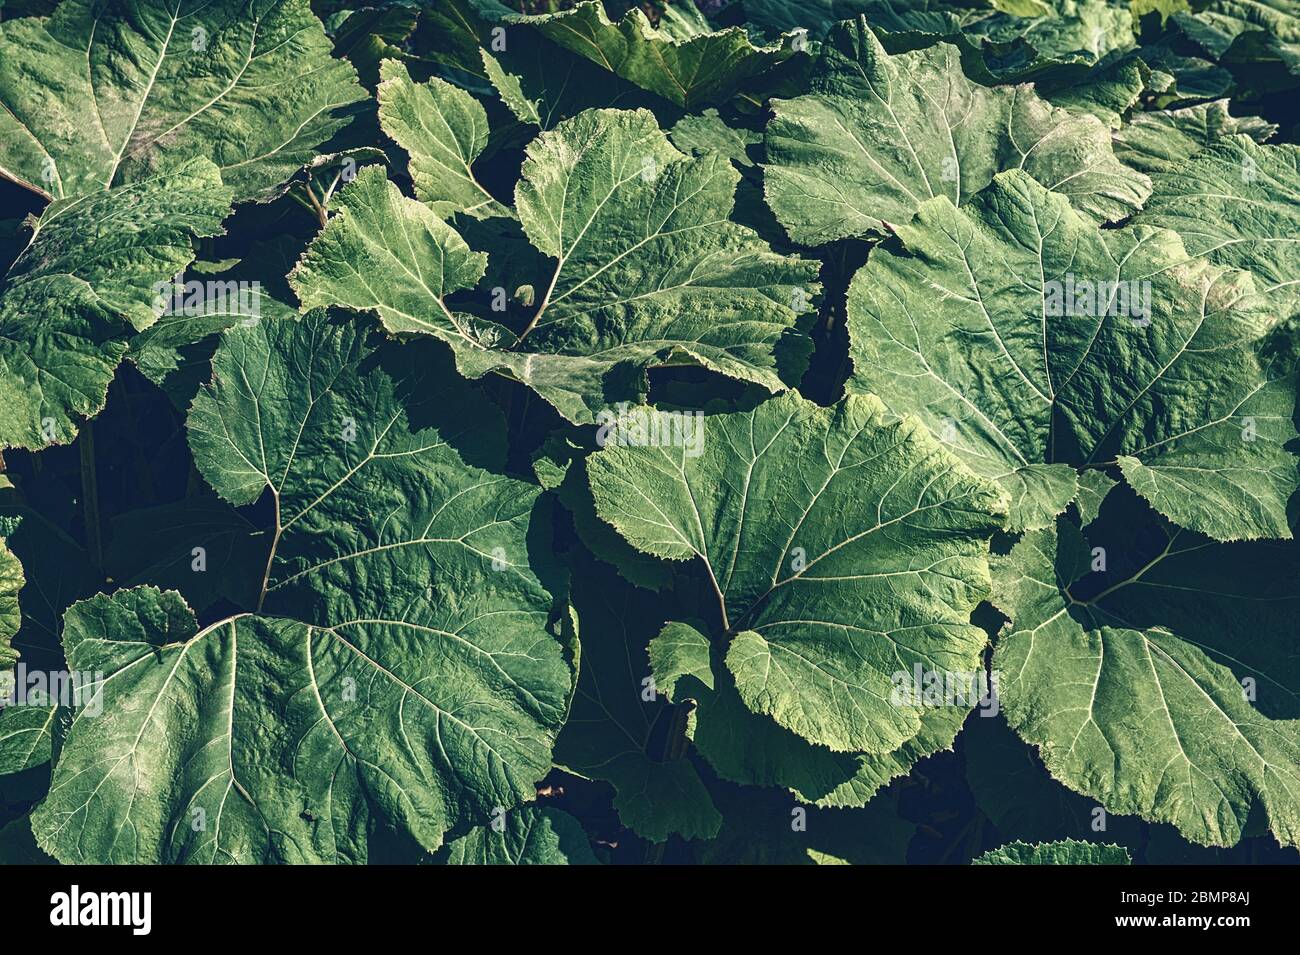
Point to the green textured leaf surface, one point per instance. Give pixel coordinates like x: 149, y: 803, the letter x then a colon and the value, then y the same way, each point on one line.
x: 84, y: 283
x: 1162, y: 140
x: 106, y: 93
x: 683, y: 61
x: 889, y: 532
x: 1238, y: 204
x: 529, y: 836
x: 1133, y: 695
x: 752, y: 749
x: 647, y: 270
x: 880, y: 135
x: 967, y: 324
x: 443, y: 129
x: 398, y: 670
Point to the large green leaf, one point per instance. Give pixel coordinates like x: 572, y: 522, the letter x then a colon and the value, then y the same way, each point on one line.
x: 879, y: 135
x: 85, y: 282
x: 397, y: 671
x: 561, y: 468
x: 969, y: 322
x: 1148, y: 685
x: 647, y: 270
x: 105, y: 92
x: 1238, y: 203
x: 1056, y: 42
x: 830, y: 578
x: 750, y: 748
x: 681, y: 60
x: 443, y: 129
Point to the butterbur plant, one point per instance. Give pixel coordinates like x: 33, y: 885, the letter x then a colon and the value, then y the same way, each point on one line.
x: 468, y: 432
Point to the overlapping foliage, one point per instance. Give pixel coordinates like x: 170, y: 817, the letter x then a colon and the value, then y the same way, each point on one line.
x: 775, y: 432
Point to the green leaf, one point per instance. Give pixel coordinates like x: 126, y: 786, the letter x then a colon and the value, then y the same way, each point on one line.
x: 1238, y: 204
x: 682, y: 60
x: 529, y: 837
x: 614, y: 732
x: 988, y: 323
x: 877, y: 540
x: 1074, y: 50
x: 1065, y: 852
x: 356, y: 261
x: 454, y: 32
x: 569, y: 474
x: 1195, y: 78
x: 106, y: 92
x: 85, y: 282
x: 752, y: 749
x: 397, y: 672
x: 1058, y: 43
x: 882, y: 134
x: 1129, y: 680
x: 444, y: 130
x: 647, y: 270
x: 708, y: 132
x: 1110, y: 92
x: 1162, y: 141
x: 1093, y: 488
x: 175, y: 352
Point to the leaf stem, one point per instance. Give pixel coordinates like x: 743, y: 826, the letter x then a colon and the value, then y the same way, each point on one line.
x: 546, y: 300
x: 316, y: 207
x: 270, y: 557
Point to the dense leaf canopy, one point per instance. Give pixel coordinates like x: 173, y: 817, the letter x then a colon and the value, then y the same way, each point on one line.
x: 543, y: 432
